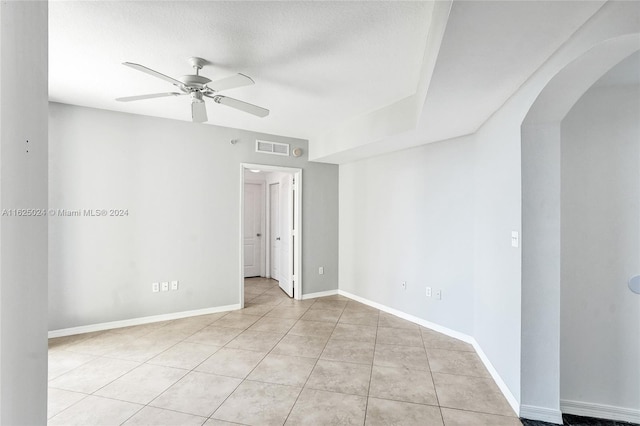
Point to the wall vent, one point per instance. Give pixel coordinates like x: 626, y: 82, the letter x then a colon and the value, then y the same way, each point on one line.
x: 275, y: 148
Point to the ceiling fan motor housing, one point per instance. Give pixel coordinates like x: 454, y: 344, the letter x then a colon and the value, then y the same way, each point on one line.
x: 194, y: 81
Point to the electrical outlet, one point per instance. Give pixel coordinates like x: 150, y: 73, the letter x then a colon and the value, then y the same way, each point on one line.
x: 439, y: 294
x: 174, y: 285
x: 155, y: 287
x: 321, y: 270
x: 428, y: 291
x: 404, y: 285
x: 164, y: 286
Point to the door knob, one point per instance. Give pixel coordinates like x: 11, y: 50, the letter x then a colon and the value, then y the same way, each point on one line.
x: 258, y: 235
x: 278, y: 239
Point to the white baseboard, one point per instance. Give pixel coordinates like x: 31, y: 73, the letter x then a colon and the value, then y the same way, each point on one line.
x: 602, y: 411
x: 139, y: 321
x: 542, y: 414
x: 319, y: 294
x: 513, y: 402
x: 440, y: 329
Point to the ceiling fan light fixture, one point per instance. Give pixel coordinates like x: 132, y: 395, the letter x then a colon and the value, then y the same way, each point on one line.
x: 196, y: 96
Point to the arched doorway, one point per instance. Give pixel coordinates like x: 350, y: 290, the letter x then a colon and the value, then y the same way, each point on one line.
x: 542, y: 201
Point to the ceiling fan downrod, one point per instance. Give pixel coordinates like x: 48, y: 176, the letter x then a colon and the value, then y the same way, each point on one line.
x: 197, y: 63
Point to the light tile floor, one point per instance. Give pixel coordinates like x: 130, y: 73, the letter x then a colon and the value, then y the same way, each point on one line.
x: 327, y: 361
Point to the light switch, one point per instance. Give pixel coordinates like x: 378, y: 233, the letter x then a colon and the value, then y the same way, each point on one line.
x: 515, y: 239
x: 164, y: 286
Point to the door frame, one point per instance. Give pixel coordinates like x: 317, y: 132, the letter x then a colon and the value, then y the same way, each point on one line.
x: 263, y: 203
x: 268, y: 233
x: 297, y: 225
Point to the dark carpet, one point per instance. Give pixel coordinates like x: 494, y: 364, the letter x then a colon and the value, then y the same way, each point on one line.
x: 571, y: 420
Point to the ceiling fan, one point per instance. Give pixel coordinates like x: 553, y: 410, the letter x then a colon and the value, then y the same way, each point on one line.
x: 197, y: 87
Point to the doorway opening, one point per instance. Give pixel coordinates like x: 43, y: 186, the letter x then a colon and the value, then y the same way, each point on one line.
x: 270, y: 232
x: 575, y: 128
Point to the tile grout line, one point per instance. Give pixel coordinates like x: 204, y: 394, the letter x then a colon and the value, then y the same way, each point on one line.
x: 85, y: 394
x: 241, y: 380
x: 256, y: 366
x: 298, y: 320
x: 483, y: 412
x: 181, y: 378
x: 103, y: 356
x: 188, y: 371
x: 101, y: 387
x: 65, y: 409
x: 78, y: 366
x: 375, y: 343
x: 315, y: 364
x: 435, y: 390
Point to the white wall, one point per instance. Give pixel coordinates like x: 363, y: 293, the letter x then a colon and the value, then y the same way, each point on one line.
x: 516, y: 297
x: 180, y: 183
x: 600, y: 316
x: 23, y: 240
x: 506, y: 293
x: 541, y: 267
x: 441, y: 215
x: 408, y: 216
x: 506, y: 318
x: 497, y: 212
x: 541, y: 182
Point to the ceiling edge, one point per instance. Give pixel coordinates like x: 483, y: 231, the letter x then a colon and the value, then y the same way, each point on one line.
x: 399, y: 117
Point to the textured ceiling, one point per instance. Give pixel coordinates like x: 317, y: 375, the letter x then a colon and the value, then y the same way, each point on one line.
x: 315, y: 64
x: 349, y: 76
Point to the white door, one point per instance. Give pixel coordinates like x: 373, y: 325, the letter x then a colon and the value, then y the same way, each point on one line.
x: 286, y: 225
x: 252, y: 229
x: 274, y: 230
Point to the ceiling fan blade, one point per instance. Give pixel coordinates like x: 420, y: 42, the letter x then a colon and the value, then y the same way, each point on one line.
x: 198, y: 112
x: 242, y: 106
x: 231, y: 82
x: 153, y: 73
x: 155, y: 95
